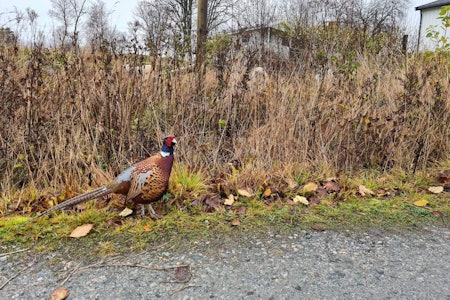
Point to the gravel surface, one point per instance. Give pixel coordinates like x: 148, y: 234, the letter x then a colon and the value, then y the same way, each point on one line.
x: 305, y: 265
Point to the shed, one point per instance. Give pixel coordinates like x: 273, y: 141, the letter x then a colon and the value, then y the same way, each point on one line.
x: 429, y: 14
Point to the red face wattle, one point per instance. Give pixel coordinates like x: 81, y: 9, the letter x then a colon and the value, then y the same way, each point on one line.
x: 170, y: 141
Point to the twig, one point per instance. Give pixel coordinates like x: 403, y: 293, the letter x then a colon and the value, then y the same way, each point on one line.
x: 14, y: 252
x: 77, y: 268
x: 15, y: 275
x: 103, y: 264
x: 132, y: 265
x: 183, y: 288
x: 156, y: 247
x: 70, y: 274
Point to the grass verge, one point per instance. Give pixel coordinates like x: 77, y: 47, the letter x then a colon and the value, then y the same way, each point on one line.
x: 112, y: 235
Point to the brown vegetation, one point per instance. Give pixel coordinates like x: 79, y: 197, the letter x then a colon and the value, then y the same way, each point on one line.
x: 70, y: 122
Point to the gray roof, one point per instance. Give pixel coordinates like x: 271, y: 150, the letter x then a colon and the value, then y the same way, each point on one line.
x: 433, y: 4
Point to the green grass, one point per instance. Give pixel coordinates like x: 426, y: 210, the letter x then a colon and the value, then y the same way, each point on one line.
x: 133, y: 234
x: 185, y: 182
x: 345, y: 210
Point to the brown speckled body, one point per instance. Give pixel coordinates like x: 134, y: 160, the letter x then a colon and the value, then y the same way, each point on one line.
x: 157, y: 181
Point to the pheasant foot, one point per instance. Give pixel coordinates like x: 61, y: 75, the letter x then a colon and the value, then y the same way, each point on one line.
x: 153, y: 214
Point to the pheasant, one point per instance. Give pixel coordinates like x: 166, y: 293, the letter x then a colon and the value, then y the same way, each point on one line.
x: 143, y: 183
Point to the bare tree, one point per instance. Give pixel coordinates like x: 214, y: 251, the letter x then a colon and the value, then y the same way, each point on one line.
x: 168, y: 25
x: 219, y: 13
x: 151, y: 18
x: 181, y: 14
x: 97, y: 25
x: 300, y: 12
x: 375, y: 15
x: 383, y: 15
x: 256, y: 13
x: 60, y: 12
x: 79, y: 10
x: 68, y: 13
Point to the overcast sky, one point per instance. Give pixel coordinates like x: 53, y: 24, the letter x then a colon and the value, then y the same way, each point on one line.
x: 123, y: 12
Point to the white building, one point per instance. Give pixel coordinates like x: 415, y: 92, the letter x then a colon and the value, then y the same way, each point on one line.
x: 266, y: 40
x: 429, y: 16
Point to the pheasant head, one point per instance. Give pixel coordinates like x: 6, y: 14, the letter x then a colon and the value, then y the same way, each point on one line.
x: 168, y: 144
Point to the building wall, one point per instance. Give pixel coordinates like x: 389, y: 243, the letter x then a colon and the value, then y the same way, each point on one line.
x: 430, y: 17
x: 270, y: 42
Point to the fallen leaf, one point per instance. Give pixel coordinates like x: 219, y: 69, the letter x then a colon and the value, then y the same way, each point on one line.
x: 291, y: 183
x: 244, y: 193
x: 444, y: 177
x: 321, y: 191
x: 310, y: 187
x: 236, y: 222
x: 52, y: 201
x: 241, y: 210
x: 332, y: 186
x: 200, y: 200
x: 382, y: 193
x: 363, y: 191
x: 421, y: 203
x: 438, y: 214
x: 126, y: 212
x: 436, y: 189
x: 317, y: 227
x: 147, y: 228
x: 213, y: 202
x: 182, y: 274
x: 229, y: 200
x: 81, y: 231
x: 314, y: 201
x: 60, y: 293
x: 300, y: 199
x: 267, y: 192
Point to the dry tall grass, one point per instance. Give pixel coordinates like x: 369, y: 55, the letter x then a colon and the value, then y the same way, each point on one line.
x: 77, y: 121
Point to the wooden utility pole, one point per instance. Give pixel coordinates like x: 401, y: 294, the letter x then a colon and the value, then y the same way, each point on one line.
x: 202, y: 33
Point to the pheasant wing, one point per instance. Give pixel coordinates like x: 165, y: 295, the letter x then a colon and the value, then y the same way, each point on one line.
x: 138, y: 180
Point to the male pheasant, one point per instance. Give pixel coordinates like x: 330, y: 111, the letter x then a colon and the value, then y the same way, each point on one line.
x: 143, y: 183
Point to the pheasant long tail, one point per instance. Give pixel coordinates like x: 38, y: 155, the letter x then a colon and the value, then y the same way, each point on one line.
x: 97, y: 193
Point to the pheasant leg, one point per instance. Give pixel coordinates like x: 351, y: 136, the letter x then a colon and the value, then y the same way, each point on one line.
x: 153, y: 214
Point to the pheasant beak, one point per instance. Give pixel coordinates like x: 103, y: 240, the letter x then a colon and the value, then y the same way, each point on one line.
x: 174, y: 141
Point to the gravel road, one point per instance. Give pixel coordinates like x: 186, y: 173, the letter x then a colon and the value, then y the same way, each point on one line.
x: 304, y: 265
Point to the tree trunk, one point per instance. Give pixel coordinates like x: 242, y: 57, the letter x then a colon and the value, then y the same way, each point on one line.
x: 202, y: 32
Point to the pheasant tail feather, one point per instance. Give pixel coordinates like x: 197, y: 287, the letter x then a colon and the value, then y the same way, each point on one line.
x: 97, y: 193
